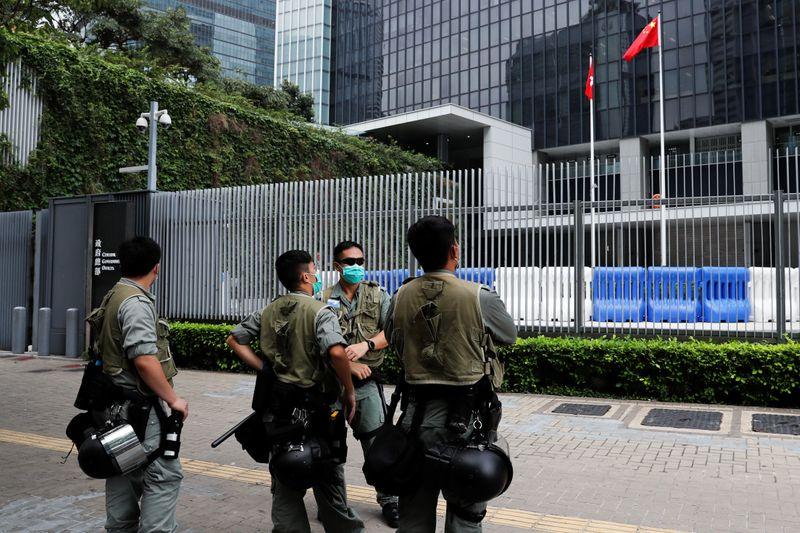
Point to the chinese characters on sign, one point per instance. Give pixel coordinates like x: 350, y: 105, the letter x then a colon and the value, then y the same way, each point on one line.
x: 104, y: 261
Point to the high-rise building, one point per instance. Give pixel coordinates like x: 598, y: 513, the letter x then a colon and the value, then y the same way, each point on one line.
x: 303, y: 50
x: 240, y: 33
x: 726, y: 63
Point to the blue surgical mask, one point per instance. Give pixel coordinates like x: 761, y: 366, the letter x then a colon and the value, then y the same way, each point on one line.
x: 317, y: 285
x: 353, y: 274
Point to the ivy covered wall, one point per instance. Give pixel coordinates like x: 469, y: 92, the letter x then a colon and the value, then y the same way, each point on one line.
x: 91, y: 104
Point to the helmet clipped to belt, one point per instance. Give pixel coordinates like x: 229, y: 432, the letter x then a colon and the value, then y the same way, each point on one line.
x: 298, y: 466
x: 472, y: 473
x: 115, y: 452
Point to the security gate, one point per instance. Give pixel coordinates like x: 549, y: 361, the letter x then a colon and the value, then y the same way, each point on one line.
x: 15, y: 250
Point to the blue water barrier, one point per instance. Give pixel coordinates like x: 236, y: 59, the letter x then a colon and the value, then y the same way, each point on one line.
x: 673, y: 294
x: 725, y: 294
x: 388, y: 279
x: 482, y: 275
x: 618, y: 294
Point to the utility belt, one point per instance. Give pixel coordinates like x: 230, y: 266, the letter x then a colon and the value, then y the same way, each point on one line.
x: 109, y: 434
x: 398, y: 462
x: 285, y: 415
x: 475, y: 404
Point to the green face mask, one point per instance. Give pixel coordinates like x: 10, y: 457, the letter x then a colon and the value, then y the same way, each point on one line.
x: 353, y: 274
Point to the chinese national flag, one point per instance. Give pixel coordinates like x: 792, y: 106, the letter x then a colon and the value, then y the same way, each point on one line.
x: 647, y: 39
x: 589, y: 90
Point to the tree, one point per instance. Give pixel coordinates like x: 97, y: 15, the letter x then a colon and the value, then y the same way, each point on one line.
x: 286, y: 98
x: 146, y: 39
x: 300, y: 103
x: 169, y: 42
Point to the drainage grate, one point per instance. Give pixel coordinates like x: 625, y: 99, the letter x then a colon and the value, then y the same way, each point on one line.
x: 676, y: 418
x: 781, y: 424
x: 587, y: 409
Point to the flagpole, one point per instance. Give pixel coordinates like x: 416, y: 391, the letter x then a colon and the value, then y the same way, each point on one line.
x: 663, y: 160
x: 591, y: 168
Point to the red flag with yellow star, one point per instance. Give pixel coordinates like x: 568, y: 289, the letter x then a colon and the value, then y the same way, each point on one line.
x: 647, y: 39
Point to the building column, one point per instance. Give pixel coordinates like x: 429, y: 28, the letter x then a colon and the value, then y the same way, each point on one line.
x: 538, y: 157
x: 632, y: 152
x: 756, y: 142
x: 442, y: 148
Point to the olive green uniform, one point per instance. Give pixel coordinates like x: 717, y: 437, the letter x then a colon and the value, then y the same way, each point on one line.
x: 361, y: 319
x: 295, y: 333
x: 441, y: 326
x: 145, y: 499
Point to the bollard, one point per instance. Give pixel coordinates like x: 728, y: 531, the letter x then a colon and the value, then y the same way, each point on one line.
x: 19, y: 330
x: 43, y: 334
x: 71, y: 345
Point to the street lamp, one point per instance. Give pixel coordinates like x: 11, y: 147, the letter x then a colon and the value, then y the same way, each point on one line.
x: 156, y: 117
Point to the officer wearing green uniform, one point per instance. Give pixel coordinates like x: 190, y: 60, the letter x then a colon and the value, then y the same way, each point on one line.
x: 444, y: 330
x: 301, y: 338
x: 135, y: 352
x: 362, y: 308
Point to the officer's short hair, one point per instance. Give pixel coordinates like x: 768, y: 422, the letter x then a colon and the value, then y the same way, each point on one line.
x: 138, y: 256
x: 290, y: 266
x: 430, y: 239
x: 345, y: 245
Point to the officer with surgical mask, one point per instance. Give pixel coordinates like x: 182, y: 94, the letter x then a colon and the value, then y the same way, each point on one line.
x: 362, y: 308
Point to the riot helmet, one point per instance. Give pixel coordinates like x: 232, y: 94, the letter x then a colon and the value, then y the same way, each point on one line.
x: 297, y: 465
x: 478, y: 473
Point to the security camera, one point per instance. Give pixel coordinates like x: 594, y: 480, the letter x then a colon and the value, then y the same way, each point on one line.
x: 165, y: 120
x: 141, y: 124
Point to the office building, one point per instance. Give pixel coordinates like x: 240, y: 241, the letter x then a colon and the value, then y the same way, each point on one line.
x: 240, y: 33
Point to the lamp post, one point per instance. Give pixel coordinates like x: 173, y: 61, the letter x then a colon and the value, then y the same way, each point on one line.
x: 155, y: 117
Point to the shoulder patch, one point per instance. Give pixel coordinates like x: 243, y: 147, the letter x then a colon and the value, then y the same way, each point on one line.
x: 333, y: 303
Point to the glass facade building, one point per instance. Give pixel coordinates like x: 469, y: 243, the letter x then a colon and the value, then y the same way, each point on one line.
x: 303, y: 50
x: 725, y: 61
x: 240, y: 33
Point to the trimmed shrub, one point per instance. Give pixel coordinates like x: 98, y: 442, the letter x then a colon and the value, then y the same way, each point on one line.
x: 740, y: 373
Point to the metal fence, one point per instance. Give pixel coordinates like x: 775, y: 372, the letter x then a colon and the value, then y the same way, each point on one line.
x: 728, y: 266
x: 19, y: 120
x: 15, y: 249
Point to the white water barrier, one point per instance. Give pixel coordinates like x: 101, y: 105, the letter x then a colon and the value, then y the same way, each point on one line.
x: 520, y: 289
x: 763, y: 294
x: 558, y: 294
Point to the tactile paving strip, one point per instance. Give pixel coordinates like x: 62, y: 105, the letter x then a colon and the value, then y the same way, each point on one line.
x: 683, y: 419
x: 780, y: 424
x: 586, y: 409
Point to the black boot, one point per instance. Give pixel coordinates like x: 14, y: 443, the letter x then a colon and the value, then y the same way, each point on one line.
x: 391, y: 514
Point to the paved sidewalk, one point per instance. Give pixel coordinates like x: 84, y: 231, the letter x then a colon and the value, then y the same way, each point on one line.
x: 607, y: 472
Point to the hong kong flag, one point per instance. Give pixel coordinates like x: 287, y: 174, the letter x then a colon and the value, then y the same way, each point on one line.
x: 589, y: 90
x: 647, y: 39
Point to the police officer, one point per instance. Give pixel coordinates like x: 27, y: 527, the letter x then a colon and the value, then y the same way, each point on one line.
x: 362, y: 308
x: 312, y: 342
x: 443, y: 328
x: 135, y: 352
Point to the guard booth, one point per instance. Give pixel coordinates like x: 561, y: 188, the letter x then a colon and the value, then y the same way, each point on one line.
x: 77, y: 254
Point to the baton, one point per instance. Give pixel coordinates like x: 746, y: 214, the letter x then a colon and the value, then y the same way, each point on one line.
x: 225, y: 436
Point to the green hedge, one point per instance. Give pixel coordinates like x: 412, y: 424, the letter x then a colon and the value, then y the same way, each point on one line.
x: 87, y: 133
x: 690, y: 371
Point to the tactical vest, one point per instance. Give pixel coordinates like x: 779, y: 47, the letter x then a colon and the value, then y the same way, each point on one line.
x: 439, y: 333
x: 289, y: 340
x: 363, y: 322
x: 108, y: 336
